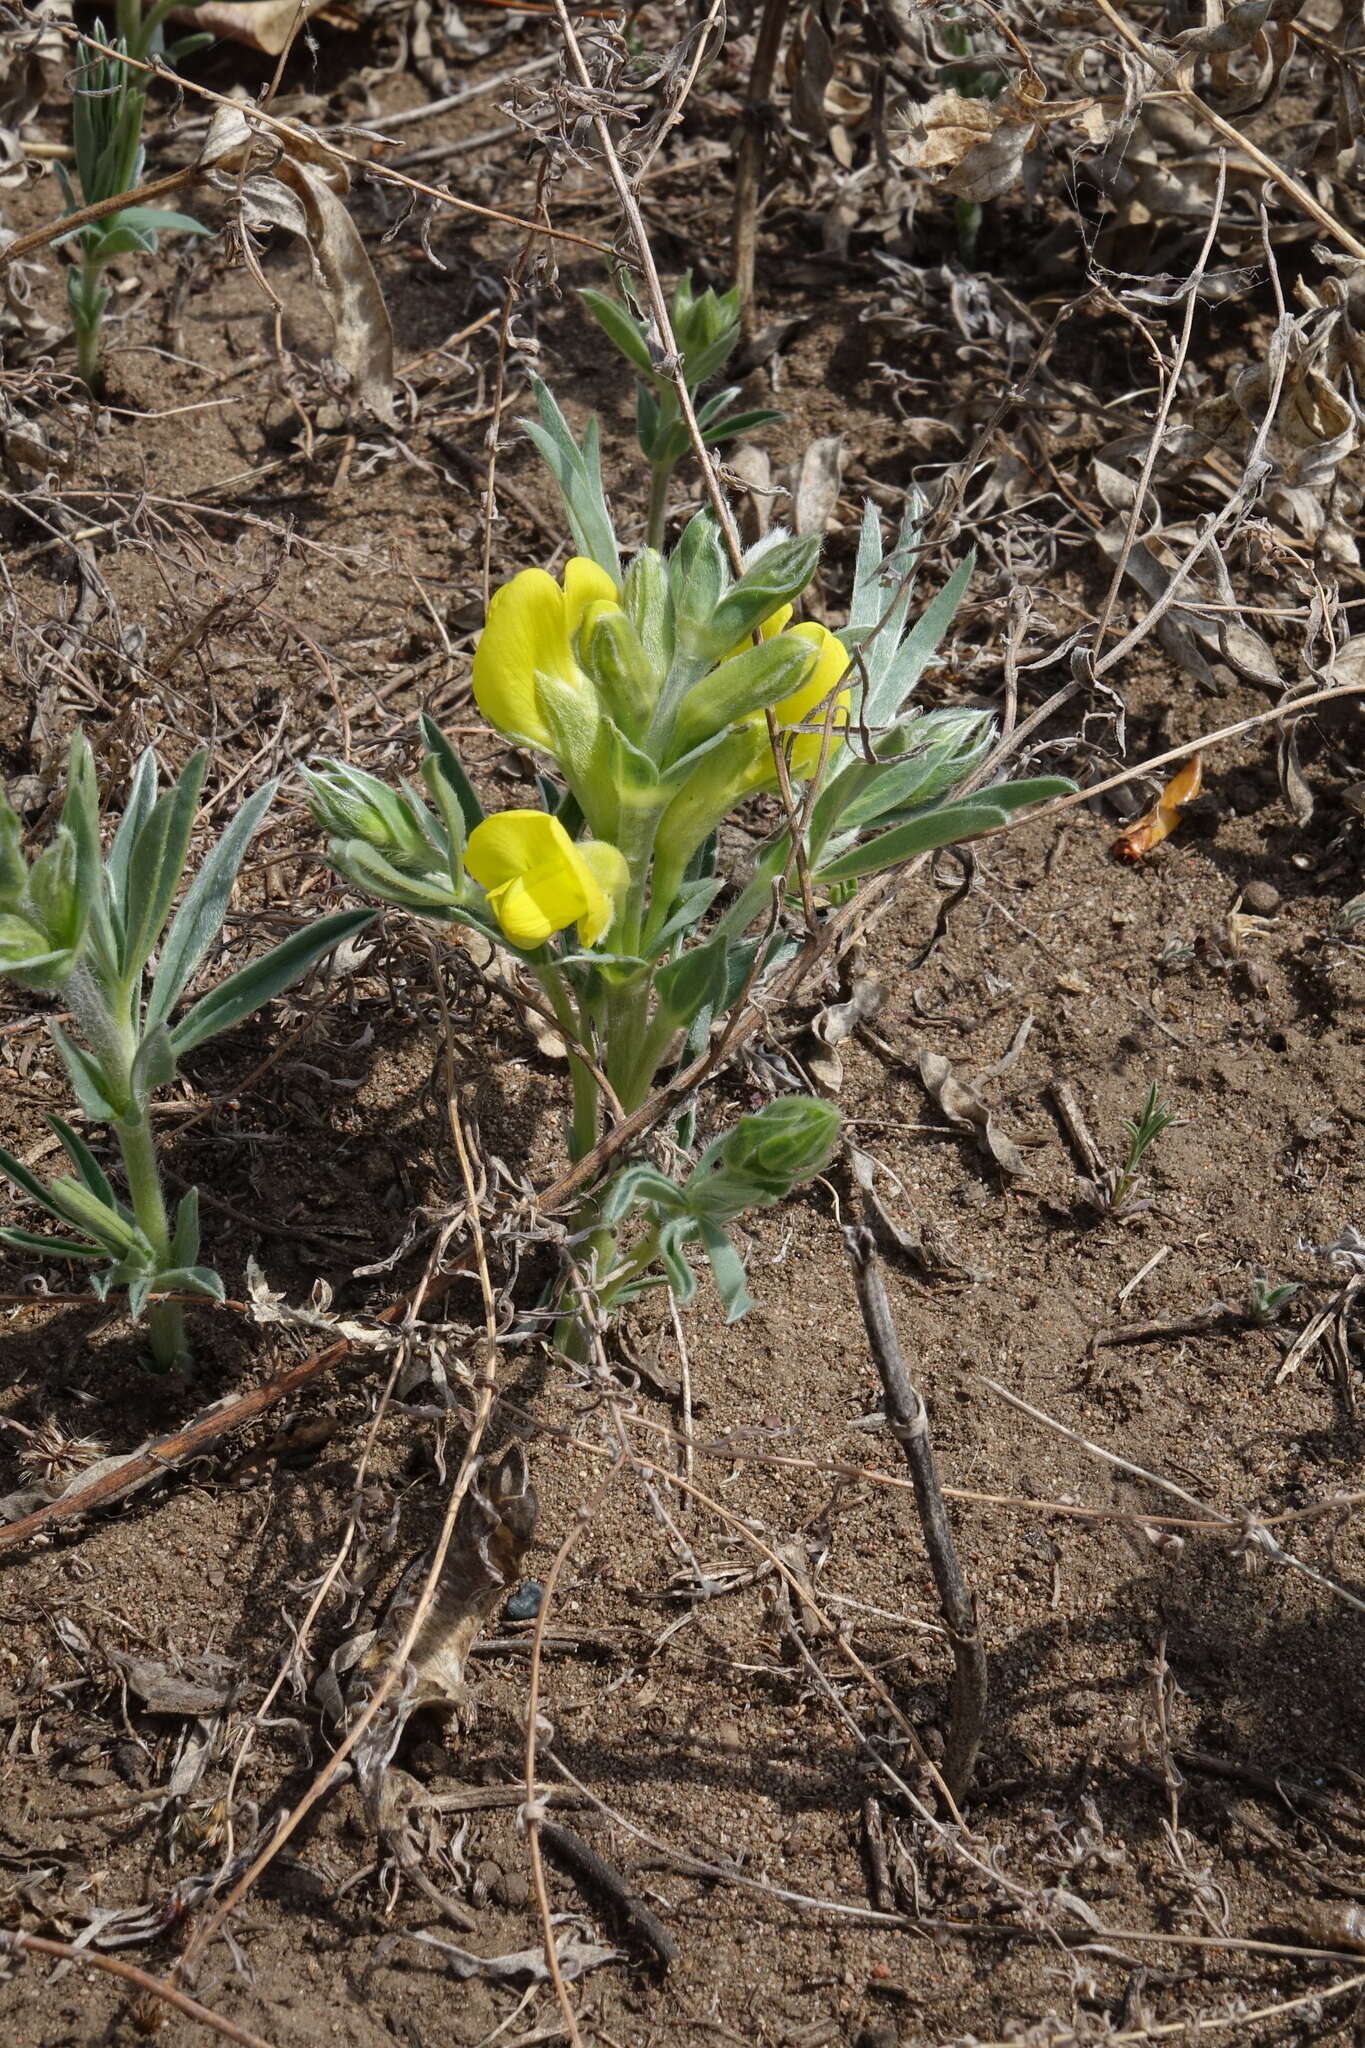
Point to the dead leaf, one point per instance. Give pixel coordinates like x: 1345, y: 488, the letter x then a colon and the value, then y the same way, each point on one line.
x: 166, y: 1691
x: 264, y: 25
x: 815, y: 486
x: 961, y: 1103
x: 526, y: 1965
x: 1157, y: 824
x: 838, y: 1021
x: 293, y: 181
x: 495, y: 1525
x: 1293, y: 783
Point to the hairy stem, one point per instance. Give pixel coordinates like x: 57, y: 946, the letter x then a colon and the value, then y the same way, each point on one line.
x: 165, y: 1319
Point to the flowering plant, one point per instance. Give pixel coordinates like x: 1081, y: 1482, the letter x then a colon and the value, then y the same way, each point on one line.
x: 661, y: 696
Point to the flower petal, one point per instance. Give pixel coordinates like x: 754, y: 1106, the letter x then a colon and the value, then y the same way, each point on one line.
x: 512, y: 844
x: 608, y: 874
x: 527, y: 629
x: 585, y: 583
x: 523, y: 918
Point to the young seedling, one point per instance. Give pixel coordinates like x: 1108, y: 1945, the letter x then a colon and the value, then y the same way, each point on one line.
x: 86, y: 926
x: 1117, y: 1189
x: 1264, y: 1302
x: 107, y: 111
x: 706, y: 328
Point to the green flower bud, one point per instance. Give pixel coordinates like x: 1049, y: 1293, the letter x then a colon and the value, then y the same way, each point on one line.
x: 353, y: 805
x: 648, y: 604
x: 619, y: 666
x: 764, y: 1157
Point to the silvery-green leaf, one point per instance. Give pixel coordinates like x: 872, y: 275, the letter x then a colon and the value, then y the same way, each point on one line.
x: 84, y: 1161
x: 87, y: 1079
x: 157, y: 862
x: 245, y: 992
x: 944, y: 826
x: 200, y: 917
x: 727, y: 1270
x: 58, y: 1247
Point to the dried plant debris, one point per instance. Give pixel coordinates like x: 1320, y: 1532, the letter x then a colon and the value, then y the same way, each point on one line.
x: 291, y: 180
x: 493, y: 1531
x: 959, y: 1098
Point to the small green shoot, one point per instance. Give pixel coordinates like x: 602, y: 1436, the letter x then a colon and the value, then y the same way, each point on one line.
x: 1264, y: 1302
x: 97, y: 929
x: 107, y: 111
x: 706, y: 328
x: 1119, y: 1183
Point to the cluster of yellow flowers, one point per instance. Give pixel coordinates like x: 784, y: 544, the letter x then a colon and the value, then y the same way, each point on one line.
x: 538, y: 639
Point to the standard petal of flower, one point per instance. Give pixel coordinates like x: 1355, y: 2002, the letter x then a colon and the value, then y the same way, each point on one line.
x: 510, y: 844
x: 584, y: 584
x: 808, y: 703
x: 527, y: 629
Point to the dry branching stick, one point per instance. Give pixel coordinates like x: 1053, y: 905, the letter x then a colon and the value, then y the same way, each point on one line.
x: 909, y: 1421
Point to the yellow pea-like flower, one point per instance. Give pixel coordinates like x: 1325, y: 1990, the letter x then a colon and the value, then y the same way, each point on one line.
x: 539, y: 881
x: 530, y: 627
x: 809, y: 702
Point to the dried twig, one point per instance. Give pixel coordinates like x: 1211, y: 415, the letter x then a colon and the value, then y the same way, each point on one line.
x: 909, y: 1422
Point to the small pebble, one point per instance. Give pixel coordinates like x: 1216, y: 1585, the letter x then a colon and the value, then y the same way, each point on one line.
x: 524, y: 1604
x: 1262, y: 899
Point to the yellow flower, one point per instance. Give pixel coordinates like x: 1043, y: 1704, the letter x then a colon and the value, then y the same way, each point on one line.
x: 539, y: 881
x: 809, y: 704
x: 530, y: 627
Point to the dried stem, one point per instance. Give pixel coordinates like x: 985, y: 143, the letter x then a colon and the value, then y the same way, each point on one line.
x: 751, y: 157
x: 909, y: 1421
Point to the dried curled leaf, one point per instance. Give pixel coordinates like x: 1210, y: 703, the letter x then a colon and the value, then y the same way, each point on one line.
x: 982, y: 143
x: 1159, y: 823
x: 291, y: 180
x: 960, y: 1100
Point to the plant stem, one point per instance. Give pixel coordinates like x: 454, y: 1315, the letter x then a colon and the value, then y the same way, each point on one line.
x: 583, y: 1130
x: 656, y: 519
x: 88, y: 323
x: 165, y: 1319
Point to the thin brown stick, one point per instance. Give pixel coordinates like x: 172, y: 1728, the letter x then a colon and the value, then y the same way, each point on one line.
x: 751, y: 158
x: 569, y: 1848
x: 12, y: 1939
x: 908, y: 1418
x: 99, y: 209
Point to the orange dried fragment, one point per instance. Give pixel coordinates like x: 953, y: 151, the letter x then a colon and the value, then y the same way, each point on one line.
x: 1159, y: 823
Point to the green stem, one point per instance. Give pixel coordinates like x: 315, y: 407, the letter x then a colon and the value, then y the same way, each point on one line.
x: 656, y: 519
x: 166, y: 1319
x: 112, y: 1040
x: 574, y: 1025
x: 88, y: 320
